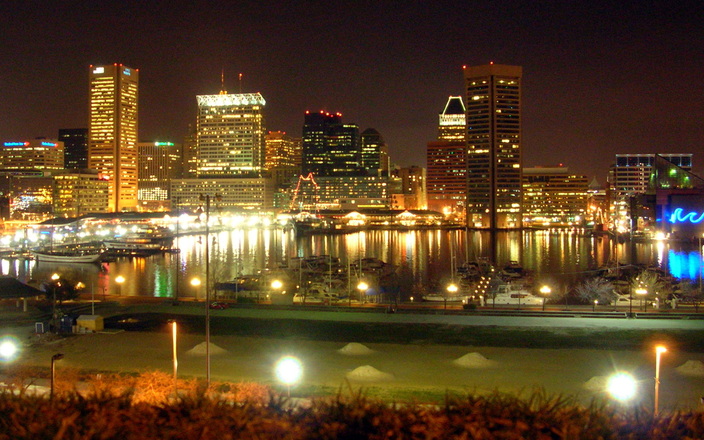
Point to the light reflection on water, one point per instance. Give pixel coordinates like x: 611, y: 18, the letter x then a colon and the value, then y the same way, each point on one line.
x: 422, y: 257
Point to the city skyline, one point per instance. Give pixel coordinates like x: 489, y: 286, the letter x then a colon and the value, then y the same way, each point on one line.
x: 599, y: 79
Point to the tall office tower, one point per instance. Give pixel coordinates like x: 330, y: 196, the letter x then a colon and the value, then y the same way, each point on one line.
x: 279, y: 150
x: 159, y: 162
x: 330, y: 148
x: 297, y: 145
x: 375, y: 154
x: 190, y: 153
x: 453, y: 120
x: 446, y: 160
x: 230, y: 135
x: 37, y: 154
x: 554, y: 197
x: 494, y: 165
x: 112, y: 136
x: 79, y: 191
x: 413, y: 187
x: 75, y: 147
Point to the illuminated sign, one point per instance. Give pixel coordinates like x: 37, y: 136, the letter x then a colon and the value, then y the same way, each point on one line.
x: 99, y: 70
x: 16, y: 144
x: 164, y: 144
x: 127, y: 72
x: 48, y: 144
x: 680, y: 217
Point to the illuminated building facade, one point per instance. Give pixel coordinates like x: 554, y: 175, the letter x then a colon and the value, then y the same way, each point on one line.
x: 346, y: 192
x: 447, y: 161
x: 37, y: 154
x: 235, y: 194
x: 190, y: 154
x: 159, y: 162
x: 280, y: 150
x: 230, y: 135
x: 75, y: 147
x: 112, y: 135
x: 629, y: 177
x: 330, y: 148
x: 413, y: 188
x: 79, y: 192
x: 554, y: 197
x: 494, y: 162
x: 375, y: 155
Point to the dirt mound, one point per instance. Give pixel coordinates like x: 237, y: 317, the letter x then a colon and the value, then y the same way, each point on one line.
x: 367, y: 373
x: 691, y: 368
x: 596, y: 383
x: 199, y: 350
x: 355, y: 349
x: 474, y: 360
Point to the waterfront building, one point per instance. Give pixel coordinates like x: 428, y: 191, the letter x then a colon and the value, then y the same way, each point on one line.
x: 75, y: 147
x: 78, y: 192
x: 233, y: 194
x: 413, y: 189
x: 493, y: 139
x: 230, y: 135
x: 554, y: 197
x: 36, y: 154
x: 159, y: 162
x: 343, y: 192
x: 112, y: 136
x: 629, y: 177
x: 375, y: 154
x: 330, y: 148
x: 28, y: 194
x: 447, y: 161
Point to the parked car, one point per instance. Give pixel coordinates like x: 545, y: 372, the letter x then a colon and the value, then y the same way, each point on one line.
x: 218, y: 305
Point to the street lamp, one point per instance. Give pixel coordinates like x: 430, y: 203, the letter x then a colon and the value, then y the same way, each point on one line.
x: 174, y: 332
x: 55, y: 278
x: 195, y: 282
x: 8, y: 349
x: 596, y: 301
x: 641, y: 292
x: 545, y: 291
x: 54, y: 358
x: 658, y: 351
x: 362, y: 287
x: 451, y: 289
x: 289, y: 371
x: 119, y: 280
x: 621, y: 386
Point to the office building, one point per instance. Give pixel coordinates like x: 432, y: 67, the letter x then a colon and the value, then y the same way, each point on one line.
x: 78, y: 192
x: 233, y: 194
x: 280, y: 150
x: 447, y: 162
x: 230, y: 135
x: 330, y: 148
x: 112, y: 135
x: 493, y: 139
x: 375, y: 154
x: 36, y: 154
x: 75, y: 147
x: 413, y: 193
x: 159, y: 162
x: 554, y: 197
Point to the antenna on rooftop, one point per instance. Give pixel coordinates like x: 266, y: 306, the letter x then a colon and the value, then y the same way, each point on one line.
x: 222, y: 82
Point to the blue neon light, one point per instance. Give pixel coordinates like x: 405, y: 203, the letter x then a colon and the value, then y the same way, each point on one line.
x: 48, y: 144
x: 127, y: 72
x: 14, y: 144
x: 690, y: 216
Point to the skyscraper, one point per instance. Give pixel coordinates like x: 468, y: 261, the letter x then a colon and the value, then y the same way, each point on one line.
x: 159, y: 162
x: 75, y: 147
x: 112, y: 136
x: 330, y: 148
x: 375, y: 155
x: 230, y: 139
x: 494, y: 173
x: 446, y: 159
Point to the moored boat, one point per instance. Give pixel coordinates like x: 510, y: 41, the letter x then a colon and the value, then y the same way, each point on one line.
x: 67, y: 256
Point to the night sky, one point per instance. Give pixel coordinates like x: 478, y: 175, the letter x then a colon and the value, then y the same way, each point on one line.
x: 599, y: 77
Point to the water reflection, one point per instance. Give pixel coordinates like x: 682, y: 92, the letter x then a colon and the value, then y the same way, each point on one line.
x: 422, y: 258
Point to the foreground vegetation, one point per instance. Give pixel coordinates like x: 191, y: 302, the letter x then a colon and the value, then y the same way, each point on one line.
x: 147, y: 407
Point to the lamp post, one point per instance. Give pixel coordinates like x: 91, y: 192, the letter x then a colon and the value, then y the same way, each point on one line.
x: 362, y: 287
x: 545, y: 291
x: 596, y: 301
x: 119, y: 280
x: 641, y: 292
x: 54, y: 358
x: 206, y: 198
x: 174, y: 332
x: 195, y: 282
x: 55, y: 281
x: 289, y: 371
x: 451, y: 289
x: 658, y: 351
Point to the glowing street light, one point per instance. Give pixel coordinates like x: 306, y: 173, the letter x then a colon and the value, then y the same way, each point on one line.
x: 54, y: 358
x: 621, y: 386
x: 119, y: 280
x: 596, y: 302
x: 545, y: 291
x: 195, y: 282
x: 174, y: 333
x: 289, y: 371
x: 8, y: 349
x: 641, y: 292
x: 451, y: 289
x: 362, y: 287
x: 658, y: 351
x: 277, y: 285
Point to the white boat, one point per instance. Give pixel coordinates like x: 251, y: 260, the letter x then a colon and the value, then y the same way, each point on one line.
x: 57, y: 256
x: 513, y: 294
x: 146, y: 241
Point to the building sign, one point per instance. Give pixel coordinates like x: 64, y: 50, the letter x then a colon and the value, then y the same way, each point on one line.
x: 682, y: 216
